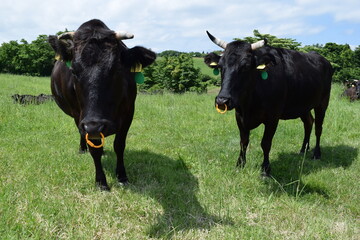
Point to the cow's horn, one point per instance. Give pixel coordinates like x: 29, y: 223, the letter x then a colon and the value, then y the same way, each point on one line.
x: 258, y: 44
x: 217, y: 41
x: 66, y: 35
x: 122, y: 35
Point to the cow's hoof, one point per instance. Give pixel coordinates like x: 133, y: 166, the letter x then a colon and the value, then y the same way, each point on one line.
x: 240, y: 164
x: 81, y: 151
x: 102, y: 187
x: 265, y: 175
x: 123, y: 183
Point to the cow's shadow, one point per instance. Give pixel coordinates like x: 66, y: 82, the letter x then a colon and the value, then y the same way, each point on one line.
x: 170, y: 183
x: 289, y: 169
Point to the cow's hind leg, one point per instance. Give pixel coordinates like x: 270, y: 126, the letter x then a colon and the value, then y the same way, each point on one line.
x: 319, y: 119
x: 100, y: 178
x: 308, y: 121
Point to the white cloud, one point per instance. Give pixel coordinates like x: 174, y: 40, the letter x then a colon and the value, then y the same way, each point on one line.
x: 181, y: 24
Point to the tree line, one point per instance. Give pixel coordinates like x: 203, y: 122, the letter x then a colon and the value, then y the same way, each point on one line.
x: 173, y: 71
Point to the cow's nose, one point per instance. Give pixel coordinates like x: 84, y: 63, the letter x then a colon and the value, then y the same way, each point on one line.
x: 93, y: 128
x: 222, y: 101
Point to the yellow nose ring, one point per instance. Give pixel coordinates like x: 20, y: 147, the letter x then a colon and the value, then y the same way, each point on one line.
x: 91, y: 144
x: 219, y: 110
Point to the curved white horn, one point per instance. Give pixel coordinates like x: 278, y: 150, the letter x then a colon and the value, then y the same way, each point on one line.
x: 217, y: 41
x: 258, y: 44
x: 122, y: 35
x: 66, y: 35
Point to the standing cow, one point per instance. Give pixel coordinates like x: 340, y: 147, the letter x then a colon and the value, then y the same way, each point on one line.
x: 92, y: 82
x: 264, y: 84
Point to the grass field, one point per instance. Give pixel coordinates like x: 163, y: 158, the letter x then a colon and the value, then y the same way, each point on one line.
x: 180, y: 158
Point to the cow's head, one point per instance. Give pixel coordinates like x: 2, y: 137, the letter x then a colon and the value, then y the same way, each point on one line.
x: 240, y: 66
x: 100, y: 64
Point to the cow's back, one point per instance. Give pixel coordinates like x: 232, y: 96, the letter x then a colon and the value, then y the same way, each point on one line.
x: 306, y: 80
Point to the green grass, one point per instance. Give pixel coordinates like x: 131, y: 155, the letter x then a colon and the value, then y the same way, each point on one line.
x: 180, y: 159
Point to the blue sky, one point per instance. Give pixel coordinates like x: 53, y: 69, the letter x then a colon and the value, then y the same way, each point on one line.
x: 181, y: 24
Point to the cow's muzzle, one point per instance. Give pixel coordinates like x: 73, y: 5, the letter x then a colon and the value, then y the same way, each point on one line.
x: 94, y: 131
x: 222, y: 104
x: 93, y: 127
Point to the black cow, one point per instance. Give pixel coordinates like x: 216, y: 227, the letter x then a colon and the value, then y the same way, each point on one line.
x: 352, y: 90
x: 264, y: 84
x: 92, y: 82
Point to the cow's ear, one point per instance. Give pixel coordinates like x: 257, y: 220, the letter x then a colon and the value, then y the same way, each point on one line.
x: 62, y: 45
x: 136, y: 55
x: 266, y: 59
x: 212, y: 60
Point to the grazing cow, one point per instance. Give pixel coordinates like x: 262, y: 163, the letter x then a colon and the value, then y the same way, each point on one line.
x: 93, y: 82
x: 264, y: 84
x: 352, y: 90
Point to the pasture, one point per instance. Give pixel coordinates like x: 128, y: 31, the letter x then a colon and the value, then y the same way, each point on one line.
x: 180, y: 159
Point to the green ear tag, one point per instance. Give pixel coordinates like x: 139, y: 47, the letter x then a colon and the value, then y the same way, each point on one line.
x: 264, y: 75
x: 139, y: 78
x: 216, y: 71
x: 68, y: 64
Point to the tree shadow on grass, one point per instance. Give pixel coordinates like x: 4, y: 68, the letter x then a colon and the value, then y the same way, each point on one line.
x: 289, y: 168
x: 171, y: 183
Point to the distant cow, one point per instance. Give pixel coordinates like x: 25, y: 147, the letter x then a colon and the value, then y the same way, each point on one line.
x: 31, y: 99
x: 264, y: 84
x: 93, y: 82
x: 352, y: 90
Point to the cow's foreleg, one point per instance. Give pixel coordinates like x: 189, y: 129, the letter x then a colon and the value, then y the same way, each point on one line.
x: 269, y: 132
x: 83, y: 146
x: 119, y: 147
x: 100, y: 178
x: 244, y: 141
x: 319, y: 119
x: 308, y: 121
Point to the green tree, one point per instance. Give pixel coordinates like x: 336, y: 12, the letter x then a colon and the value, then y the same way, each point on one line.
x: 274, y: 41
x: 35, y: 58
x: 357, y: 57
x: 342, y: 59
x: 176, y: 74
x: 8, y: 51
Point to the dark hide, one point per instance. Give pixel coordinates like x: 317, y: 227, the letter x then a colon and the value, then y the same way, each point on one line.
x: 296, y: 84
x: 98, y: 90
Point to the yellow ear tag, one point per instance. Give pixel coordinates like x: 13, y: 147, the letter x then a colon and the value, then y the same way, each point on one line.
x: 213, y: 64
x: 261, y: 67
x: 139, y: 76
x: 136, y: 68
